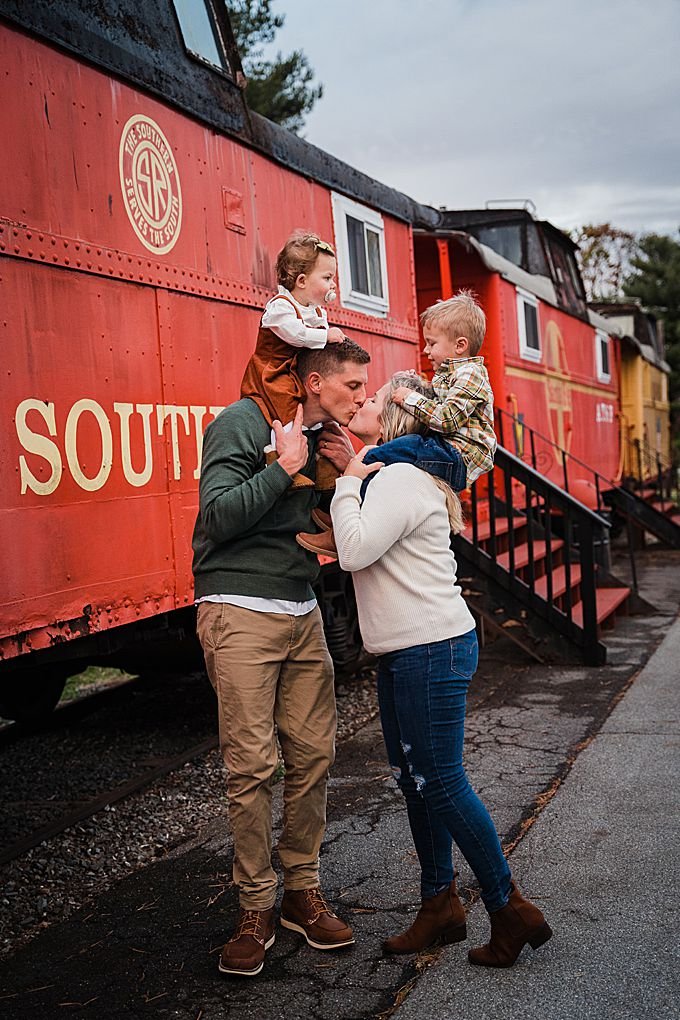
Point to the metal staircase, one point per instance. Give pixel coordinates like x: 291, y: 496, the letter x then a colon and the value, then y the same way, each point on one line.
x: 534, y: 564
x: 640, y: 506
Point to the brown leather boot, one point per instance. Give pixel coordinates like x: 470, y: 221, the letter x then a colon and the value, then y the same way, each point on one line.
x: 512, y: 927
x: 243, y: 954
x: 441, y: 919
x: 324, y: 520
x: 306, y: 911
x: 323, y: 544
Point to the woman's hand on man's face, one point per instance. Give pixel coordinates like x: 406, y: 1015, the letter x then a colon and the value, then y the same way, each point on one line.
x: 356, y: 467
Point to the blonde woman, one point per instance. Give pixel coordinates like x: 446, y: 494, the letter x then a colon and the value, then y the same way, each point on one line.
x: 414, y: 618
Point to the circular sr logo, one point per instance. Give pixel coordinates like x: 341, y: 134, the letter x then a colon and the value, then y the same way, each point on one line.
x: 150, y: 184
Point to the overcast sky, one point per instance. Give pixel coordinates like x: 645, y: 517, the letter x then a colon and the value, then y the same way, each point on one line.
x: 574, y: 104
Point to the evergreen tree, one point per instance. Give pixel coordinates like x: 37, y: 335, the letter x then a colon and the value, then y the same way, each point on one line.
x: 283, y: 89
x: 655, y: 281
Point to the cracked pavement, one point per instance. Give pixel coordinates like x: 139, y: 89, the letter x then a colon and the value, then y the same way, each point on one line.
x: 149, y: 946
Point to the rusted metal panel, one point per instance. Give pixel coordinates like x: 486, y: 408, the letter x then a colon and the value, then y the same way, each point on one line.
x: 142, y: 44
x: 131, y: 309
x: 83, y: 519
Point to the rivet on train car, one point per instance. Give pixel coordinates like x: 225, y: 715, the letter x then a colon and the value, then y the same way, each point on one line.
x: 65, y: 244
x: 77, y: 247
x: 16, y: 233
x: 67, y: 262
x: 29, y: 235
x: 29, y: 253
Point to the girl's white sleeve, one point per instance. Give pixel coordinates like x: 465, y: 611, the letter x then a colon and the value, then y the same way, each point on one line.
x: 392, y: 509
x: 280, y: 317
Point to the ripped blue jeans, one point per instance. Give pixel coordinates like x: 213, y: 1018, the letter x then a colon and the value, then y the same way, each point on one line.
x: 422, y: 692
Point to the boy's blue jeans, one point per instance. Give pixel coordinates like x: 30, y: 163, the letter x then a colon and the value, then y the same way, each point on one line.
x: 422, y: 692
x: 430, y: 453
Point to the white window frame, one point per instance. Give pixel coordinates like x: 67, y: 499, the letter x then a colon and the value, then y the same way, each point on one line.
x: 526, y: 352
x: 603, y: 338
x: 370, y: 304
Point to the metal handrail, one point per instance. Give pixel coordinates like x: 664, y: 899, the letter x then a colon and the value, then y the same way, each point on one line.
x: 600, y: 481
x: 603, y: 485
x: 544, y: 503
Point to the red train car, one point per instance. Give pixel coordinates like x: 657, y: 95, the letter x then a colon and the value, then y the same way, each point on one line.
x: 553, y: 363
x: 141, y: 211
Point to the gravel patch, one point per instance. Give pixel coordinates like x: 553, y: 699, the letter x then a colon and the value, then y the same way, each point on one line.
x: 53, y: 880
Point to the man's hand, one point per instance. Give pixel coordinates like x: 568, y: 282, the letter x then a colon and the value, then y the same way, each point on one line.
x: 335, y: 335
x: 356, y: 467
x: 291, y: 446
x: 335, y: 446
x: 400, y: 395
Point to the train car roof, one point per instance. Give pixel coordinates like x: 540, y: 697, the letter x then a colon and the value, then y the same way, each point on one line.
x: 637, y: 327
x: 142, y: 43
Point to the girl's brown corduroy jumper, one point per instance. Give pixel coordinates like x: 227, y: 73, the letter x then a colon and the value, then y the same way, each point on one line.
x: 271, y: 378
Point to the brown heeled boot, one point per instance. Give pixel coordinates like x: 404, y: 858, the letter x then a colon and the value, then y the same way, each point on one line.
x: 441, y: 919
x: 322, y: 544
x: 514, y: 926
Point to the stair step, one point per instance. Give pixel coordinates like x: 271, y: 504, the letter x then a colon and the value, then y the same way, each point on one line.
x: 608, y: 601
x: 662, y: 505
x: 522, y: 553
x: 559, y: 582
x: 502, y: 526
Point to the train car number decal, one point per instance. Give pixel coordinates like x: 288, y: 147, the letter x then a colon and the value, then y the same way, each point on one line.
x: 149, y: 181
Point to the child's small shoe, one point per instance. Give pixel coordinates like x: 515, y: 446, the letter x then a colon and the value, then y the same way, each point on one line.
x: 324, y: 520
x: 300, y: 481
x: 326, y: 474
x: 322, y: 544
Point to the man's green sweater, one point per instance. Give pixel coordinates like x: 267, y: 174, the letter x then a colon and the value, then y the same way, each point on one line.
x: 244, y: 538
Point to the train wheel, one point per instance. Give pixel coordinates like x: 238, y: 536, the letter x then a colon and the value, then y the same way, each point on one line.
x: 30, y: 696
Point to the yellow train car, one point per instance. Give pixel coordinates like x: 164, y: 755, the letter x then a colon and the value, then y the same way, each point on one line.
x: 645, y: 407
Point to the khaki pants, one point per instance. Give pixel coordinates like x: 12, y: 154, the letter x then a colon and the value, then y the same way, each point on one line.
x: 267, y: 669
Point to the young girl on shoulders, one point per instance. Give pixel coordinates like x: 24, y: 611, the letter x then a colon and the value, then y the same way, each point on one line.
x: 294, y: 318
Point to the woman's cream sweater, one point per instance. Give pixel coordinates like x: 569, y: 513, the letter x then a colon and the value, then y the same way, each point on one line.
x: 396, y: 544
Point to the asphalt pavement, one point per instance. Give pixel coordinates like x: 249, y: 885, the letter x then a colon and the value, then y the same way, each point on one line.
x: 603, y: 863
x: 579, y: 768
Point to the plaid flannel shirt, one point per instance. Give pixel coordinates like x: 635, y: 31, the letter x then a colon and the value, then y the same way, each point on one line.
x: 462, y: 411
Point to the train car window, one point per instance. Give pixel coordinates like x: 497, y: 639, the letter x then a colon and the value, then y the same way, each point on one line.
x: 362, y: 264
x: 602, y: 360
x: 506, y: 240
x: 527, y: 326
x: 567, y: 280
x: 201, y: 33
